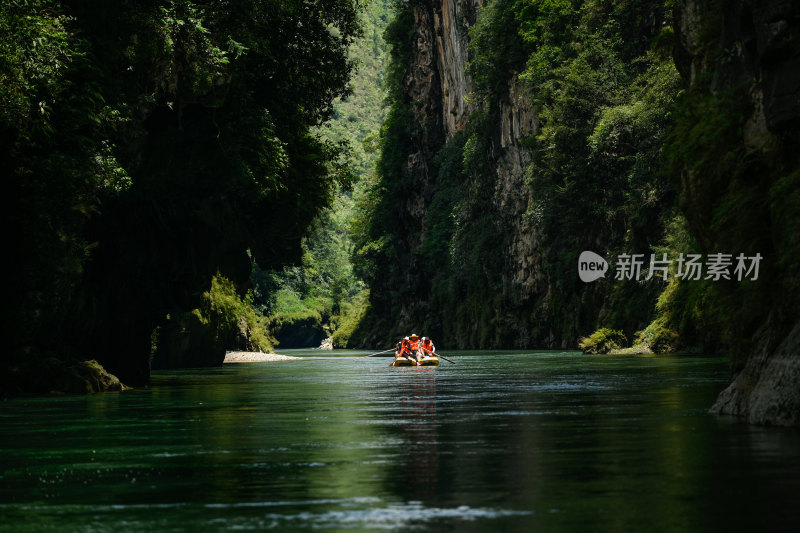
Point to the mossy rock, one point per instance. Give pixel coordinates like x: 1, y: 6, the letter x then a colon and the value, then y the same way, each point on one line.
x: 603, y: 340
x: 200, y: 338
x: 94, y: 378
x: 50, y: 375
x: 658, y: 338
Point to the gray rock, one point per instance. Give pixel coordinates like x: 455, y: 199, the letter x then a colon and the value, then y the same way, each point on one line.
x: 766, y: 391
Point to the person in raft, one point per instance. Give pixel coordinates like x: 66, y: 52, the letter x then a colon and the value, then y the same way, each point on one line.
x: 427, y: 346
x: 402, y: 349
x: 415, y: 346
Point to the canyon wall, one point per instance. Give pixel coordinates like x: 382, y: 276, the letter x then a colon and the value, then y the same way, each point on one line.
x: 741, y: 60
x: 439, y: 87
x: 474, y: 241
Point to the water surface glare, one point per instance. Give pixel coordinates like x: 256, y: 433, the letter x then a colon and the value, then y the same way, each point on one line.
x: 499, y: 442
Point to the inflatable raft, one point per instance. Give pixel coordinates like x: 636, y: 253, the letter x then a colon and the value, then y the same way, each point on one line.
x: 410, y: 361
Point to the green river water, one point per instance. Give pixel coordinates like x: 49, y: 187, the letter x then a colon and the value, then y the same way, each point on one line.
x: 535, y: 441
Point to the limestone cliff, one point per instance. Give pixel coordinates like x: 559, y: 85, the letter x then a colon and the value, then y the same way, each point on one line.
x: 743, y: 56
x: 439, y: 88
x: 437, y: 85
x: 466, y: 243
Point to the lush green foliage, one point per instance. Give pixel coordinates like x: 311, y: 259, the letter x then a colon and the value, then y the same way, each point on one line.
x: 148, y: 145
x: 223, y: 321
x: 349, y: 318
x: 377, y: 226
x: 309, y: 302
x: 601, y: 78
x: 603, y: 340
x: 619, y: 163
x: 52, y: 162
x: 604, y: 78
x: 233, y: 320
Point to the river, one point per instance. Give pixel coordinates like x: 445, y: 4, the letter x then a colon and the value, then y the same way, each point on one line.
x: 533, y: 441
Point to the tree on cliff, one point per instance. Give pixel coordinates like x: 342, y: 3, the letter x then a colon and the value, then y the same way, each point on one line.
x: 149, y: 144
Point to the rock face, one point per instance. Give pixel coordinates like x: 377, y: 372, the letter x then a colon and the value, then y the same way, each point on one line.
x: 740, y: 61
x: 753, y: 47
x: 438, y: 87
x: 186, y: 342
x: 766, y: 391
x: 756, y: 45
x: 470, y: 259
x: 451, y: 25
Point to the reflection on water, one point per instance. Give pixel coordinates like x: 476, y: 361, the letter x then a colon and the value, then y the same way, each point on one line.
x: 511, y: 442
x: 417, y: 399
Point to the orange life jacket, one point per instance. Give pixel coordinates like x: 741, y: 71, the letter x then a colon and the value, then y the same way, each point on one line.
x: 414, y: 345
x: 404, y: 347
x: 427, y: 346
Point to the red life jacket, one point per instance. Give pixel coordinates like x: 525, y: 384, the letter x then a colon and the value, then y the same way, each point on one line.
x: 427, y: 346
x: 413, y: 344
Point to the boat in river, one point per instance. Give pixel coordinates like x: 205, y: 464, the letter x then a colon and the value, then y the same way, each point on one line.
x: 428, y: 360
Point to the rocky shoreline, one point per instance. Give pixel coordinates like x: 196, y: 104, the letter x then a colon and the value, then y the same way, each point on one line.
x: 255, y: 357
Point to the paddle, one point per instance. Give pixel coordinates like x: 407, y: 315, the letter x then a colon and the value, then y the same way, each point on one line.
x: 378, y: 353
x: 439, y: 356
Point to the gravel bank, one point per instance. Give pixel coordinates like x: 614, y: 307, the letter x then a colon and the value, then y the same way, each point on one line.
x: 255, y: 357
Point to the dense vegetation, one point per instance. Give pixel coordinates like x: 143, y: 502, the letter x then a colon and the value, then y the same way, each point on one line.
x: 324, y: 297
x: 601, y: 76
x: 147, y: 146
